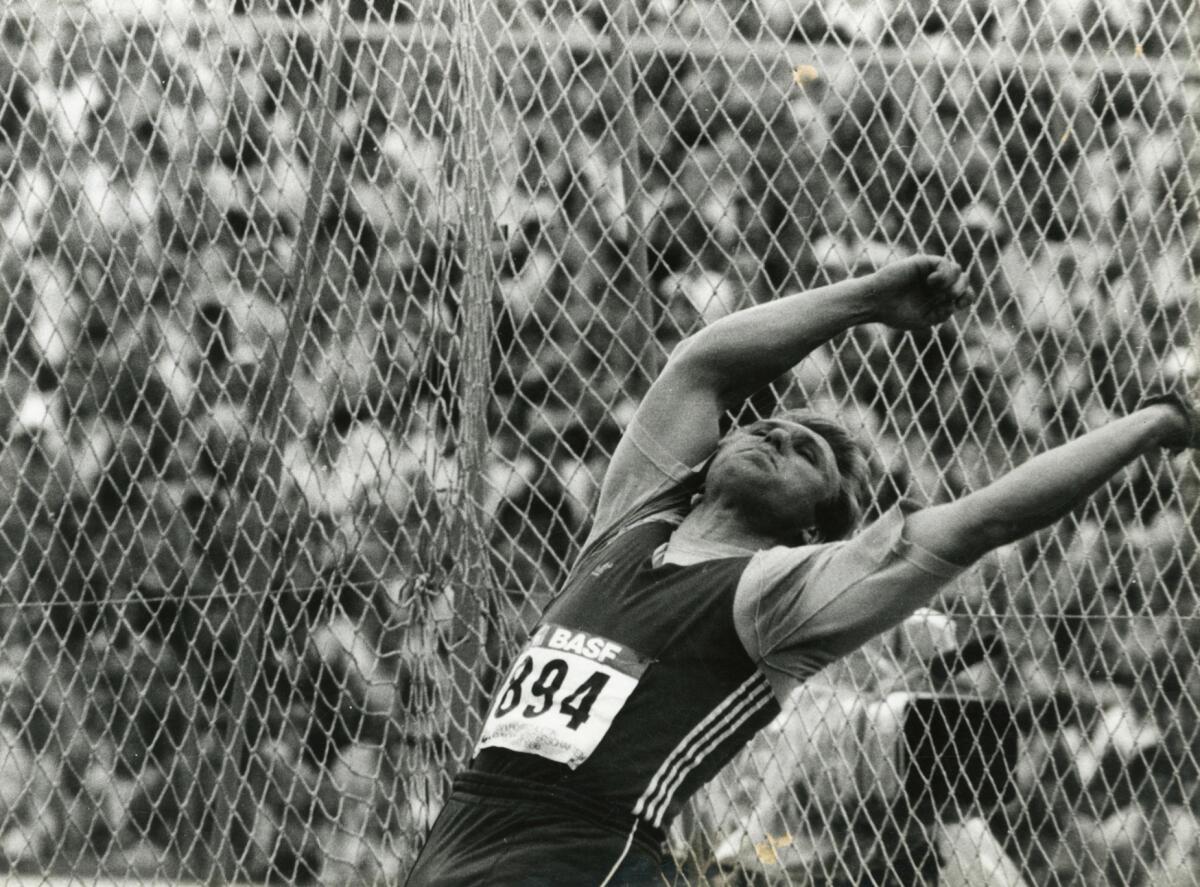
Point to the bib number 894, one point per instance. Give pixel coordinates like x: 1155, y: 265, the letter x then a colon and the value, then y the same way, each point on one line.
x: 561, y: 695
x: 576, y: 705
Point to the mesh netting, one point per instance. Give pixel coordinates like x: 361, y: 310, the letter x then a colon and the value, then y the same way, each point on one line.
x: 321, y: 321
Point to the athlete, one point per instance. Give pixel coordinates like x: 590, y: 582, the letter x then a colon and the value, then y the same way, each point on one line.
x: 719, y: 573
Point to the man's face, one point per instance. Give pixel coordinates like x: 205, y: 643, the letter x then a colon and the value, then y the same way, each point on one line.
x: 775, y: 473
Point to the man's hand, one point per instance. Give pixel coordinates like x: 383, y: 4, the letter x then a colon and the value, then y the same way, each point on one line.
x: 1186, y: 435
x: 919, y: 291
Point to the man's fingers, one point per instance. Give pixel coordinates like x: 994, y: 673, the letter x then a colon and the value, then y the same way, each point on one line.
x: 933, y: 287
x: 946, y: 276
x: 942, y: 275
x: 959, y: 292
x: 947, y: 302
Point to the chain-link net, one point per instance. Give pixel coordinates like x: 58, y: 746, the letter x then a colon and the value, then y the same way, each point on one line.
x: 321, y: 321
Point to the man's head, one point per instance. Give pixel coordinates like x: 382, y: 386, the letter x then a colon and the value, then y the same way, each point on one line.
x: 793, y: 477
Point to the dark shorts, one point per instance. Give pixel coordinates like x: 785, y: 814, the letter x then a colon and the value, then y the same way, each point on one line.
x: 485, y: 842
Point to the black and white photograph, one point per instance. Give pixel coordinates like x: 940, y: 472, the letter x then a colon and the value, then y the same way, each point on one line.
x: 583, y: 443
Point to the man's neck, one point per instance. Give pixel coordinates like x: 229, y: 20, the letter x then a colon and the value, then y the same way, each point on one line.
x: 710, y: 526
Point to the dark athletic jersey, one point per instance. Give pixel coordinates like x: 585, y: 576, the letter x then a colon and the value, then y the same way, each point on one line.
x: 692, y: 695
x: 637, y: 688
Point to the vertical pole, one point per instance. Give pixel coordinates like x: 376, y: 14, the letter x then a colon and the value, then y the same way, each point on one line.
x: 472, y: 588
x: 234, y: 803
x: 1191, y: 480
x: 623, y: 24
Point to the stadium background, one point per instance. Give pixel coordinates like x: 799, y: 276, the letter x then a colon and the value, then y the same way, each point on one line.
x: 320, y: 321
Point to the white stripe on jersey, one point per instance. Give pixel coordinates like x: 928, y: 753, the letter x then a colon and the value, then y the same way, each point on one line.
x: 698, y: 755
x: 751, y: 687
x: 621, y: 858
x: 729, y: 700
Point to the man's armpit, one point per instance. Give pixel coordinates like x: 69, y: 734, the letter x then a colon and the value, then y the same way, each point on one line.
x: 656, y: 453
x: 641, y: 470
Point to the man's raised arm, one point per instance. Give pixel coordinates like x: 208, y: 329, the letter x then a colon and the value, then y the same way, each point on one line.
x: 1051, y: 485
x: 719, y: 367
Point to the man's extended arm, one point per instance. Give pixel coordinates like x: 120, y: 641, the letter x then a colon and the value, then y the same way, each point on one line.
x: 1048, y: 486
x: 720, y: 366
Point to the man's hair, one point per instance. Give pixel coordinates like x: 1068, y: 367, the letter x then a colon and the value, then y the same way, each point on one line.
x: 839, y: 518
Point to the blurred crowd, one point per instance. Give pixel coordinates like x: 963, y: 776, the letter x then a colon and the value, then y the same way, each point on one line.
x: 155, y: 177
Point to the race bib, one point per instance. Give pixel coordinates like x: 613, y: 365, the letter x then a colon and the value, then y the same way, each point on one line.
x: 561, y: 695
